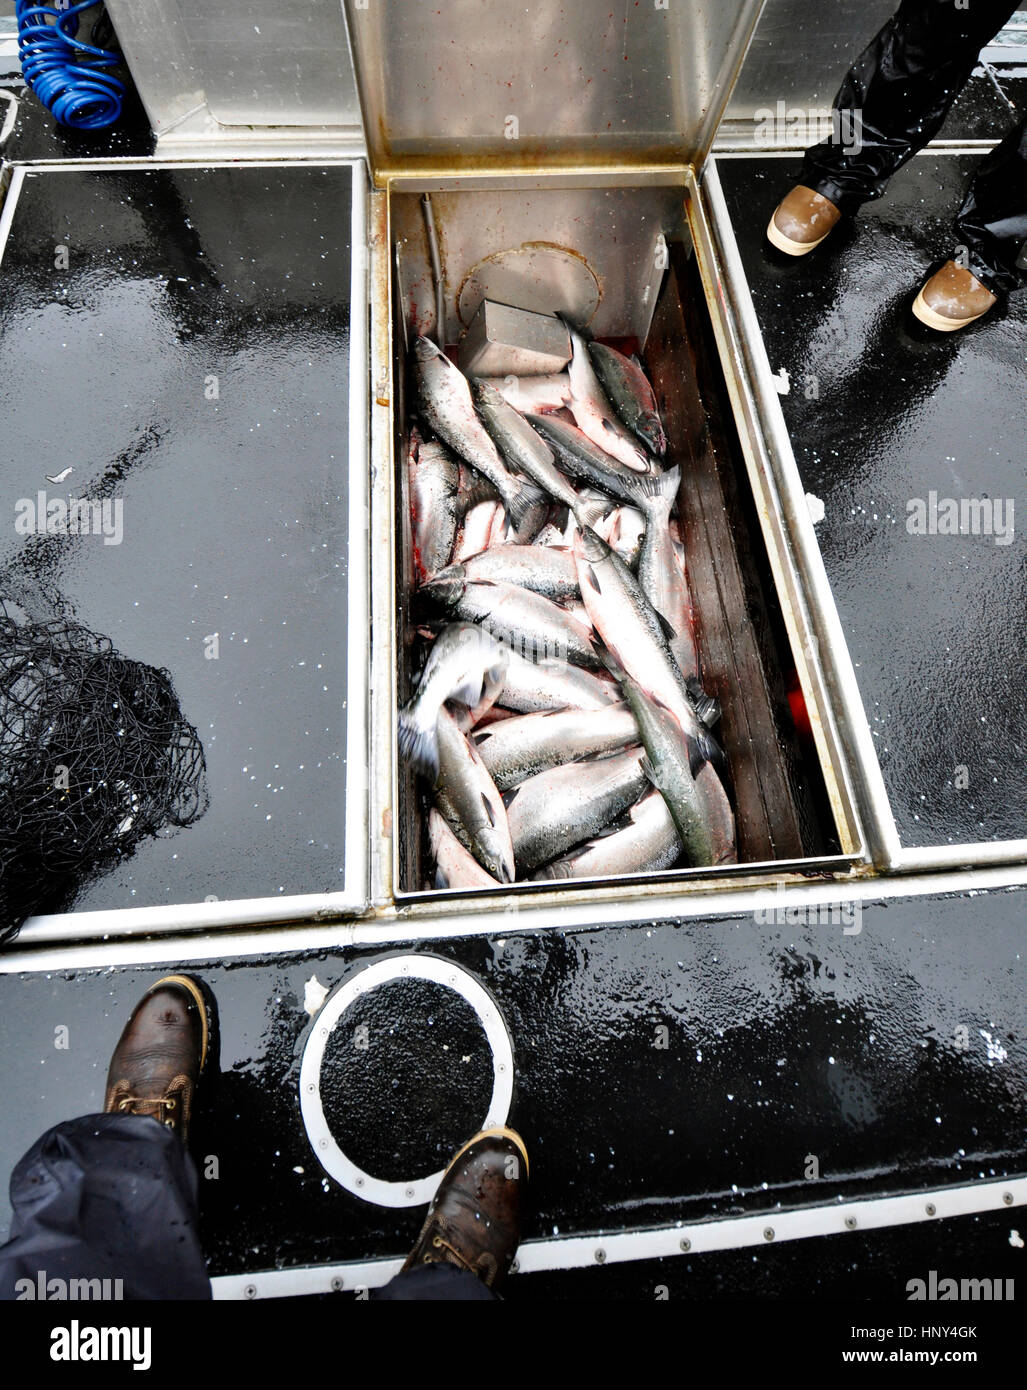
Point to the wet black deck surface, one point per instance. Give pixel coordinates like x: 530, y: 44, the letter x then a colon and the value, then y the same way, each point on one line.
x: 663, y: 1072
x: 234, y: 508
x: 936, y: 624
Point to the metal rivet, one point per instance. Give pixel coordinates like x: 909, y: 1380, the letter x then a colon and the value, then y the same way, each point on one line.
x: 360, y: 1182
x: 250, y: 1291
x: 1007, y: 1197
x: 600, y: 1257
x: 686, y: 1245
x: 324, y: 1032
x: 311, y: 1088
x: 515, y: 1268
x: 322, y: 1143
x: 768, y: 1233
x: 850, y: 1223
x: 410, y: 1192
x: 337, y: 1285
x: 931, y: 1209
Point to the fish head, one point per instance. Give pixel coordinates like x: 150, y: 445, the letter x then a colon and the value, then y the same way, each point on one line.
x: 445, y: 589
x: 485, y: 395
x: 590, y: 546
x: 650, y: 427
x: 425, y: 349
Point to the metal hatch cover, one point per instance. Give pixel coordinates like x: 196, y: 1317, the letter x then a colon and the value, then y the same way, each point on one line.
x: 200, y: 357
x: 472, y: 84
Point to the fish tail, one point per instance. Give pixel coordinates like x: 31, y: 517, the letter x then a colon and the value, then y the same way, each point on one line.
x: 418, y: 744
x: 522, y: 503
x: 589, y: 510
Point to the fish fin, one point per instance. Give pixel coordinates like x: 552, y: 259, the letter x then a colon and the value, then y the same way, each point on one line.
x: 420, y: 746
x: 669, y: 630
x: 649, y: 772
x: 696, y: 756
x: 488, y: 810
x: 522, y: 504
x: 509, y: 796
x: 634, y: 358
x: 707, y: 707
x: 664, y: 484
x: 479, y: 739
x: 441, y: 881
x: 607, y: 657
x: 590, y: 510
x: 704, y: 748
x: 468, y: 694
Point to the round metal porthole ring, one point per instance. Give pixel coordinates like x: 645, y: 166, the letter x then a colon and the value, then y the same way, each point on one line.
x: 417, y: 1191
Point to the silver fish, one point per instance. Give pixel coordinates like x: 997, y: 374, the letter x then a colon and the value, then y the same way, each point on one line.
x: 551, y: 535
x: 467, y: 797
x: 631, y: 395
x: 546, y: 570
x: 520, y: 445
x: 446, y: 402
x: 661, y: 575
x: 455, y: 866
x: 636, y: 636
x: 580, y: 458
x: 535, y: 686
x: 649, y: 844
x: 535, y: 393
x: 479, y: 524
x: 520, y: 748
x: 529, y: 623
x: 434, y: 504
x: 595, y: 415
x: 671, y: 767
x: 464, y: 662
x: 718, y: 814
x: 553, y: 811
x: 624, y: 530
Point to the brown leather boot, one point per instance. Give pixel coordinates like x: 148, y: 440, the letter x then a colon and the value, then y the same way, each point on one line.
x: 474, y: 1219
x: 952, y: 298
x: 801, y: 221
x: 160, y: 1055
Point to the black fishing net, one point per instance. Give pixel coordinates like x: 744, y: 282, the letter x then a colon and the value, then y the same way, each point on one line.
x: 95, y: 756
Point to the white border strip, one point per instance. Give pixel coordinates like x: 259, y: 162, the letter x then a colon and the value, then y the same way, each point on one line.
x: 10, y: 202
x: 414, y: 1191
x: 12, y: 106
x: 701, y: 1238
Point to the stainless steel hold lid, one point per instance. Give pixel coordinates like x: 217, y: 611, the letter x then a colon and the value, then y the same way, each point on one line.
x: 475, y: 85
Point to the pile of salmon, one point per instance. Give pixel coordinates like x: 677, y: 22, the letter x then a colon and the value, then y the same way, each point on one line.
x: 559, y: 722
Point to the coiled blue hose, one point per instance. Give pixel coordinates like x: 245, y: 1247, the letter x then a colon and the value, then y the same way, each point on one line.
x: 67, y: 76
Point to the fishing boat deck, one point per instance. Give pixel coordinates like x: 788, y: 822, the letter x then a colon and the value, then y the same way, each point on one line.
x: 881, y: 412
x: 668, y: 1073
x: 678, y: 1064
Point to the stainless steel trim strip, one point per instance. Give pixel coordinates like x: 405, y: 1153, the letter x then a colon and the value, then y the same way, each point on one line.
x: 699, y: 1238
x: 776, y: 474
x: 601, y: 909
x: 352, y: 900
x: 737, y: 142
x: 358, y: 565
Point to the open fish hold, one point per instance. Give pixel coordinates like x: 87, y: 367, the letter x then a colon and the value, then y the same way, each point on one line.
x: 776, y: 798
